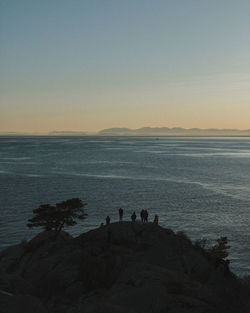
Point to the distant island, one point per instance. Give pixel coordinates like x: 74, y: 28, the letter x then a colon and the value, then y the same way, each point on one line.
x: 144, y: 131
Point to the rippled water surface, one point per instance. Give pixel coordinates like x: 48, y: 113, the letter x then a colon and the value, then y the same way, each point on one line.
x: 197, y: 185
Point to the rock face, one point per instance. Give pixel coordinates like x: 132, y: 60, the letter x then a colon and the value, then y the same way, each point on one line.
x: 124, y: 267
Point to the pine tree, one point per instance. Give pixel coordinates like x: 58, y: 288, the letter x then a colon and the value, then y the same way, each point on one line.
x: 56, y: 217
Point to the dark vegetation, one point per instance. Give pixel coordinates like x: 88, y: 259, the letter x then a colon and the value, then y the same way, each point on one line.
x: 55, y: 217
x: 219, y: 251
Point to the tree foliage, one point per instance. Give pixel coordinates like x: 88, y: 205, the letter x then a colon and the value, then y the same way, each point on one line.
x: 55, y: 217
x: 218, y: 251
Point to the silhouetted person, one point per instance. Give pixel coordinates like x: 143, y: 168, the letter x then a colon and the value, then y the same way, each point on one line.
x: 107, y: 220
x: 156, y: 220
x: 146, y: 216
x: 133, y: 217
x: 120, y: 214
x: 142, y: 214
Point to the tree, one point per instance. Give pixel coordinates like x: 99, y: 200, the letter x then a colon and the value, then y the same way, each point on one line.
x: 56, y: 217
x: 219, y: 250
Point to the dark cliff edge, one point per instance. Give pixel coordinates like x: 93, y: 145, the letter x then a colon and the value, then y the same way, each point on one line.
x: 125, y: 268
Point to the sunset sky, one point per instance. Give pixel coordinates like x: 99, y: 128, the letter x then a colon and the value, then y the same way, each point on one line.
x: 88, y: 65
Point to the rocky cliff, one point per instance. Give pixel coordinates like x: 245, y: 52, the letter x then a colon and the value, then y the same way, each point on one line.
x: 122, y: 268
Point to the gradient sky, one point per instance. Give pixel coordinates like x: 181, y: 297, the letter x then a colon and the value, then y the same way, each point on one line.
x: 93, y: 64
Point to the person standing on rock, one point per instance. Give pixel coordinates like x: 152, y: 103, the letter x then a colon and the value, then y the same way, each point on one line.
x: 120, y: 214
x: 146, y: 216
x: 156, y: 219
x: 133, y: 217
x: 142, y: 214
x: 107, y: 220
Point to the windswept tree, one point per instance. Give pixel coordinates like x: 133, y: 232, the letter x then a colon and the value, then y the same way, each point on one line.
x: 55, y: 217
x: 220, y: 250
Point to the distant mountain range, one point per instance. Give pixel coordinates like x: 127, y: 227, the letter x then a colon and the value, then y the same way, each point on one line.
x: 145, y: 131
x: 165, y: 131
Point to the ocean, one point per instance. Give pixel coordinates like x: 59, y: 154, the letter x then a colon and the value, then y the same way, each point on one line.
x: 197, y: 185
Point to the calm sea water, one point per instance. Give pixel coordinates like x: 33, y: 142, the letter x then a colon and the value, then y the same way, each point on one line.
x: 197, y: 185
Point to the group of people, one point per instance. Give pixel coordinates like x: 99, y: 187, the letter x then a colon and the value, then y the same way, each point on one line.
x: 143, y: 214
x: 120, y: 211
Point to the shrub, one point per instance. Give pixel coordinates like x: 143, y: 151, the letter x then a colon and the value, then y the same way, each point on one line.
x: 217, y: 251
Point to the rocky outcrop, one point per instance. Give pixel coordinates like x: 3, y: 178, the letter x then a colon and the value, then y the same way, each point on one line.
x: 124, y: 267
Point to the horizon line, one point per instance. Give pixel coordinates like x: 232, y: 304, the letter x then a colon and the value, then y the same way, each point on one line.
x: 179, y: 128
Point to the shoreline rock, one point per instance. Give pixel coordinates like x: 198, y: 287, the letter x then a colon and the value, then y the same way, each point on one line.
x: 123, y: 267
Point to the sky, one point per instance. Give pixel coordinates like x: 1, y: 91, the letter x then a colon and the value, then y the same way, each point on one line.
x: 86, y: 65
